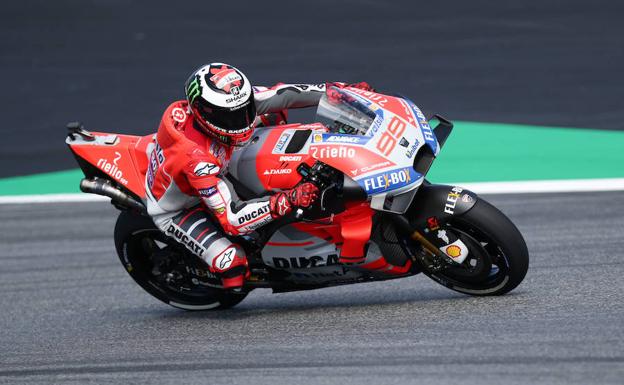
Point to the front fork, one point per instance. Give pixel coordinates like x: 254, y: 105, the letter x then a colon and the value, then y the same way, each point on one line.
x: 434, y: 257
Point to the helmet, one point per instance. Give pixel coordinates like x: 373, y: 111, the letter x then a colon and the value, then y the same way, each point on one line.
x: 221, y: 100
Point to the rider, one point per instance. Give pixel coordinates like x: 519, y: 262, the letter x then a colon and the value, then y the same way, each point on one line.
x: 190, y: 156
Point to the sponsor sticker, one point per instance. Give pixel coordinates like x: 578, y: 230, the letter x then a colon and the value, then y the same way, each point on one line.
x: 157, y: 158
x: 372, y: 96
x: 453, y: 251
x: 376, y: 125
x: 208, y: 192
x: 186, y: 240
x: 426, y: 130
x: 376, y: 166
x: 466, y: 198
x: 305, y: 262
x: 451, y: 200
x: 281, y: 143
x: 456, y: 250
x: 343, y: 138
x: 282, y: 205
x: 253, y: 214
x: 205, y: 169
x: 412, y: 150
x: 281, y: 171
x: 389, y: 180
x: 217, y: 150
x: 112, y: 169
x: 290, y: 158
x: 226, y: 258
x: 238, y: 96
x: 332, y: 152
x: 178, y: 114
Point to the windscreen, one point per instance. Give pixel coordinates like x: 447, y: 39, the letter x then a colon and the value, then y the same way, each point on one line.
x: 344, y: 113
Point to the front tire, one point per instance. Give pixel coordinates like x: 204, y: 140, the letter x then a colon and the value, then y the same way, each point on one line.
x: 498, y: 256
x: 138, y: 241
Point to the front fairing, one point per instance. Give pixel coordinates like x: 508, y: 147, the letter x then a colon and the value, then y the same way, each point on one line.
x: 385, y: 136
x: 381, y: 159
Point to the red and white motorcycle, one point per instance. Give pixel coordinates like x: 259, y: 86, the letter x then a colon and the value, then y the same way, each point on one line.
x: 369, y: 155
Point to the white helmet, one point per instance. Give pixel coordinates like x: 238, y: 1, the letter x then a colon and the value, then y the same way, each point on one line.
x: 221, y: 100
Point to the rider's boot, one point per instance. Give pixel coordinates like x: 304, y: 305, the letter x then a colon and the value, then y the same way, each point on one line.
x: 232, y: 267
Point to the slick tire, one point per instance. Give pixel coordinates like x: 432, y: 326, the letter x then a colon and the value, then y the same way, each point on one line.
x: 497, y: 247
x: 132, y: 233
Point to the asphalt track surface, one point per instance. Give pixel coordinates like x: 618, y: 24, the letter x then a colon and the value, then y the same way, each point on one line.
x: 115, y: 65
x: 70, y: 313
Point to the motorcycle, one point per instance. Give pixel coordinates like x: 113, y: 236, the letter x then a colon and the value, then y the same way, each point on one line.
x: 376, y: 218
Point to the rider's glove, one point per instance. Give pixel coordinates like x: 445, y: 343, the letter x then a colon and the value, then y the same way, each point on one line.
x: 302, y: 195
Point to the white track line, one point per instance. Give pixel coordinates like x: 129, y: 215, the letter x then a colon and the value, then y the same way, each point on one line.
x: 52, y: 198
x: 545, y: 186
x: 518, y: 187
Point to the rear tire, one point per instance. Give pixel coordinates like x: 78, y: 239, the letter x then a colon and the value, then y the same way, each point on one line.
x: 135, y: 239
x: 498, y: 256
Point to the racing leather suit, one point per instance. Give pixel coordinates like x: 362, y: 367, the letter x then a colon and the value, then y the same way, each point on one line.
x: 186, y: 169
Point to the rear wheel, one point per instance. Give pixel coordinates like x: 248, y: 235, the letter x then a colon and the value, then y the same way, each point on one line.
x: 498, y: 258
x: 165, y: 269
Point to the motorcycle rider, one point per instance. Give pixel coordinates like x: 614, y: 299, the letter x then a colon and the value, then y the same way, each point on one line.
x: 194, y: 143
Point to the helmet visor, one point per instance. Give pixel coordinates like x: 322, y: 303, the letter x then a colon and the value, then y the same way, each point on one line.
x: 229, y: 120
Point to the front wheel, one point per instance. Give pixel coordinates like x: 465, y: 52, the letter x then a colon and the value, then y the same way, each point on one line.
x: 498, y: 258
x: 165, y: 269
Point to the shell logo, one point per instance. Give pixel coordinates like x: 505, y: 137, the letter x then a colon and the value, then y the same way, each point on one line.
x: 453, y: 251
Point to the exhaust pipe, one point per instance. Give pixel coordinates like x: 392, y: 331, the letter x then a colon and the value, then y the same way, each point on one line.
x: 103, y: 187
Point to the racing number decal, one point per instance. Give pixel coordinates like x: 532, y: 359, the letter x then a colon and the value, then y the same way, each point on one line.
x: 388, y: 140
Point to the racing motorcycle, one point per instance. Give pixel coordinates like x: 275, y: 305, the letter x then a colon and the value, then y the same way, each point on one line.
x: 369, y: 154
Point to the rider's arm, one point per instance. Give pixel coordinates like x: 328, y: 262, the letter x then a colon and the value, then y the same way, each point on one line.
x: 284, y: 96
x: 242, y: 217
x: 237, y: 218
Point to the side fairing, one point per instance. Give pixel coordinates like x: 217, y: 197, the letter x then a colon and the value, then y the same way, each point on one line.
x: 121, y: 158
x: 271, y: 158
x: 310, y: 259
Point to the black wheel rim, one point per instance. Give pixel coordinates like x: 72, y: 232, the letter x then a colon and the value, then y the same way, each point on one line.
x: 485, y: 270
x: 142, y: 249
